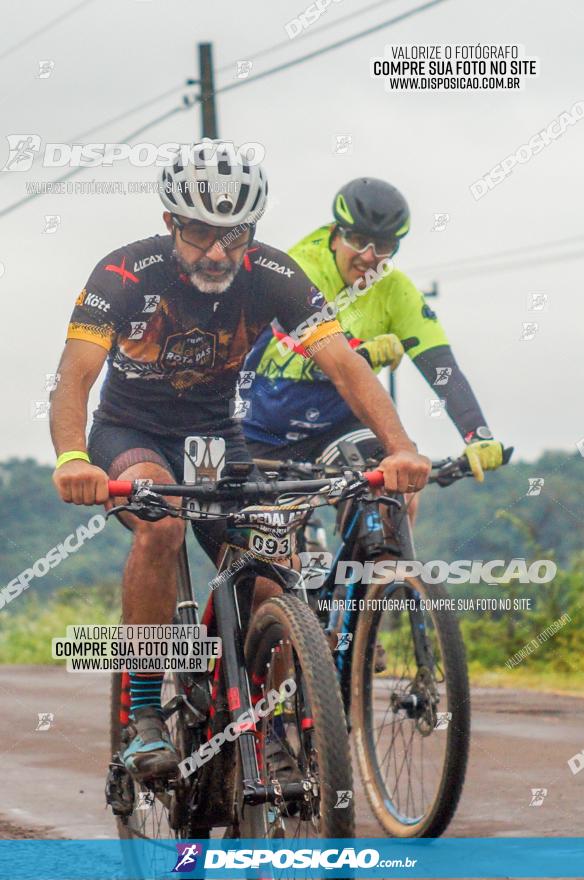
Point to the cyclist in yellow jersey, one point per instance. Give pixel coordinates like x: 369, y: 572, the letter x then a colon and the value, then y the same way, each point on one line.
x: 295, y: 412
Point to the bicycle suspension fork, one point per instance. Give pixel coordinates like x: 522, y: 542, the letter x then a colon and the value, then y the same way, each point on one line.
x: 424, y: 656
x: 229, y: 628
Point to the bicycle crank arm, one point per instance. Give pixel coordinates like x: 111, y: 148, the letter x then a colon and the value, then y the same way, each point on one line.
x: 179, y: 701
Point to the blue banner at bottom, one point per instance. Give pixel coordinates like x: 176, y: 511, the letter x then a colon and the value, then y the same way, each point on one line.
x: 449, y: 858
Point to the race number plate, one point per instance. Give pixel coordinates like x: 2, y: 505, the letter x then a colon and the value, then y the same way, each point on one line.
x: 271, y: 546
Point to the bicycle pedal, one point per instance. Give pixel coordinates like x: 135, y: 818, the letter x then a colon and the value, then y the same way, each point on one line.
x: 119, y: 790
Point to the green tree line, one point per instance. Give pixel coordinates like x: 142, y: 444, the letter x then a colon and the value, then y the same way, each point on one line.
x: 499, y: 519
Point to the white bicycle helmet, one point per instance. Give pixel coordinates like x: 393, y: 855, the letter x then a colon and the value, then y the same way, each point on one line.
x: 214, y: 185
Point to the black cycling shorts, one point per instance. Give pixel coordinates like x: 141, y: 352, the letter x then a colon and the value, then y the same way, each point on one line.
x: 114, y: 448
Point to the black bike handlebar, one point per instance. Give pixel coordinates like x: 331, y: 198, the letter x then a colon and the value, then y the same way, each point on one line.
x: 230, y: 489
x: 443, y: 473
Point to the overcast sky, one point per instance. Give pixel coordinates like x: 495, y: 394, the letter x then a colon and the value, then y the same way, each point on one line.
x: 110, y: 56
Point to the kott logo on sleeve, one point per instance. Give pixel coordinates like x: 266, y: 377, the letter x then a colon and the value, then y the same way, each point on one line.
x: 92, y: 300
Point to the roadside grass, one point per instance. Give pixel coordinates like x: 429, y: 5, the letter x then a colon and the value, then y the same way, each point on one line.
x: 26, y: 634
x: 543, y: 680
x: 557, y: 666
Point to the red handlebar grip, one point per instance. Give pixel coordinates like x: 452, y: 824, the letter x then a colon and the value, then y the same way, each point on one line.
x: 374, y: 478
x: 119, y: 487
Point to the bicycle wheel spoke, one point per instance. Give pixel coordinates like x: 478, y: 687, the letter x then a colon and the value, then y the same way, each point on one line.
x: 405, y: 751
x: 296, y: 733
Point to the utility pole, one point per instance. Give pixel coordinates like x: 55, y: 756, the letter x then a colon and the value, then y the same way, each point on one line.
x: 433, y: 292
x: 206, y: 79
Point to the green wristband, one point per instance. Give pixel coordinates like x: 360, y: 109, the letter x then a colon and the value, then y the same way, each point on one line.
x: 71, y: 456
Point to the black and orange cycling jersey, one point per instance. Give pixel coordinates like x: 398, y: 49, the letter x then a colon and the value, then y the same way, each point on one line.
x: 174, y: 353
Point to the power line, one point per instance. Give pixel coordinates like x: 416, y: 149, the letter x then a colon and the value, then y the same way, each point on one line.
x: 44, y: 28
x: 126, y: 113
x: 269, y: 49
x: 437, y: 267
x: 310, y: 32
x: 513, y: 264
x: 337, y: 45
x: 144, y: 104
x: 265, y: 51
x: 75, y: 171
x: 231, y: 86
x: 77, y: 137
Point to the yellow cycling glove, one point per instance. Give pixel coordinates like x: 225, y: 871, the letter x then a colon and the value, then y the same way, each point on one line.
x: 484, y: 455
x: 383, y: 351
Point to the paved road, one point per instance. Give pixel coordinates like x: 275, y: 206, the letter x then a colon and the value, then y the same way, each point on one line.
x: 53, y: 781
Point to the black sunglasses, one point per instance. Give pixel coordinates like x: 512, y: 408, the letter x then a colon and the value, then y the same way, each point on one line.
x: 203, y: 236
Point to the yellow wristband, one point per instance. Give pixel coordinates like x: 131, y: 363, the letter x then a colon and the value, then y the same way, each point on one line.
x: 71, y: 456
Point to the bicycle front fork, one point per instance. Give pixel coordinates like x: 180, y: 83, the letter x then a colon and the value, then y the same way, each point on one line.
x: 229, y: 609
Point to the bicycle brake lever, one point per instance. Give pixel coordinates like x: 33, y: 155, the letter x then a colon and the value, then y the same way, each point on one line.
x: 145, y: 512
x: 388, y: 501
x: 113, y: 510
x: 452, y: 475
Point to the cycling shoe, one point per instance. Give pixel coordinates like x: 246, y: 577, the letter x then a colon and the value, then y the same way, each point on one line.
x: 150, y: 752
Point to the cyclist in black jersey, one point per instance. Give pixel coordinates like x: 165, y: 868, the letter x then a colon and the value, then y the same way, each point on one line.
x: 175, y: 316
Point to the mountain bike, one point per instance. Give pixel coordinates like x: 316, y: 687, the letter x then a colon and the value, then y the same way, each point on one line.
x: 244, y: 788
x: 410, y: 714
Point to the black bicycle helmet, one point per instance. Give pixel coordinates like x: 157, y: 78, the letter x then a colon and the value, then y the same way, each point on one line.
x: 372, y: 207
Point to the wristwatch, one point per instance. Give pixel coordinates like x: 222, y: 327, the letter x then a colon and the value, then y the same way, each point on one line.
x: 480, y: 433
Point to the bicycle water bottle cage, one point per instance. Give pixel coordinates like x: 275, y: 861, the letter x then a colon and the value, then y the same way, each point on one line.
x: 375, y: 533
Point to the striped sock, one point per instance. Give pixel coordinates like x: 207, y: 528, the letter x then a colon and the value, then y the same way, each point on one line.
x: 145, y: 689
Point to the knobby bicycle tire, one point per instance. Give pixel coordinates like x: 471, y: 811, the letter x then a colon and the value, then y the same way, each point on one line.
x: 449, y: 786
x: 288, y: 619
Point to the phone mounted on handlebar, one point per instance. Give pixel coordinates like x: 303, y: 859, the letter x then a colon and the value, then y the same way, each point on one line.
x: 204, y: 462
x: 209, y: 482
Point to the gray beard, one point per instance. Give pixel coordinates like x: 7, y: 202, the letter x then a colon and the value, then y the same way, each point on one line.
x: 205, y: 285
x: 202, y: 282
